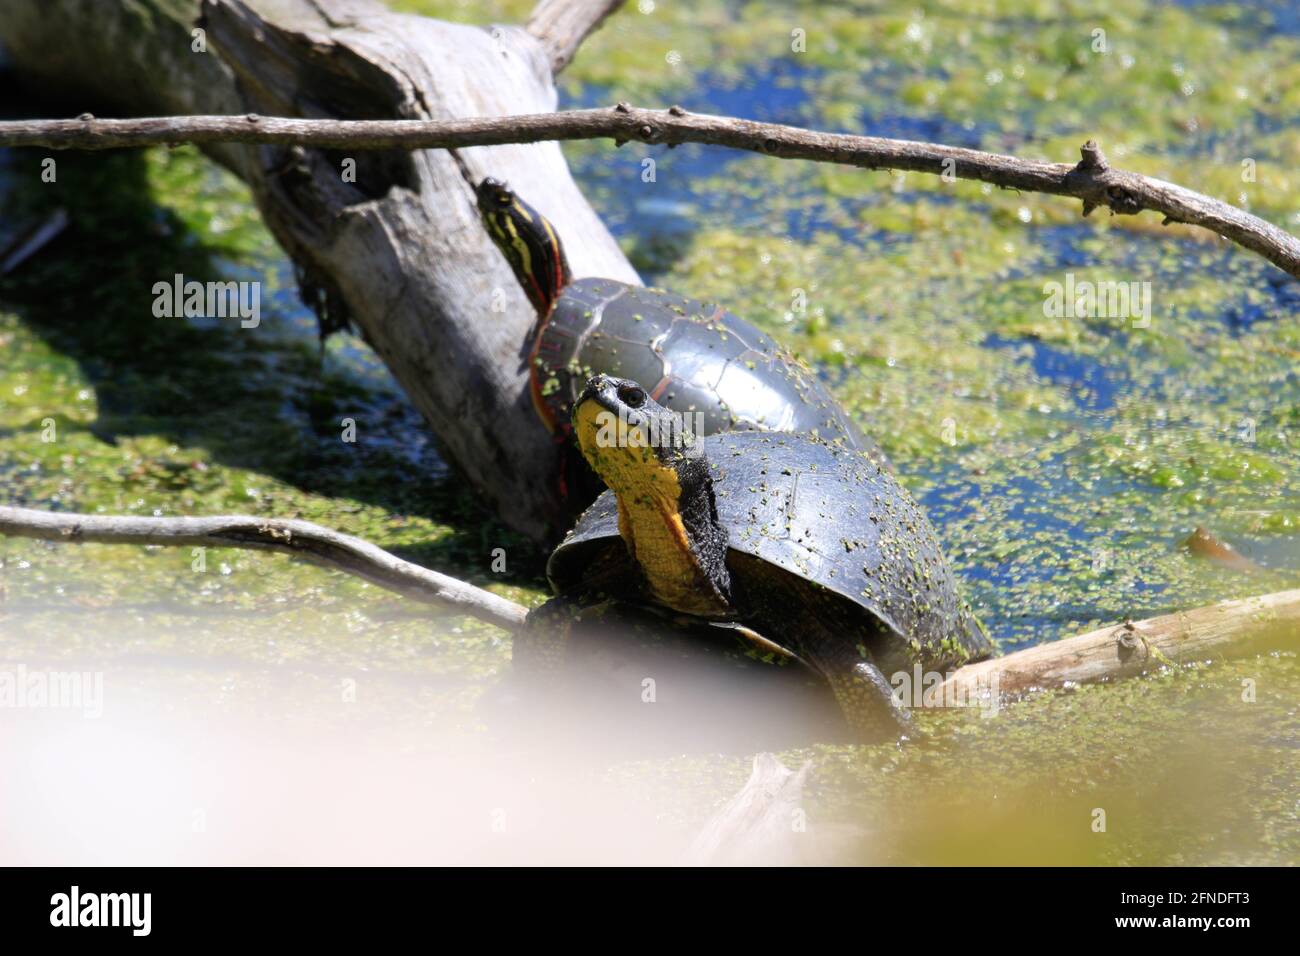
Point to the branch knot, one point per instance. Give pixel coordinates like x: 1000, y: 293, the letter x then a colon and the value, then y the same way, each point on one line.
x: 1094, y: 160
x: 1122, y: 201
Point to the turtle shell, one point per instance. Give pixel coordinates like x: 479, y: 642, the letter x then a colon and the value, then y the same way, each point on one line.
x: 831, y: 517
x: 693, y: 358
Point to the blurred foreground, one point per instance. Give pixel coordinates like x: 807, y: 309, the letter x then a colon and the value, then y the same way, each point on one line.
x: 304, y: 761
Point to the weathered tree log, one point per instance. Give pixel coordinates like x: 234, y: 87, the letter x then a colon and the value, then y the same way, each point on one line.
x: 400, y: 252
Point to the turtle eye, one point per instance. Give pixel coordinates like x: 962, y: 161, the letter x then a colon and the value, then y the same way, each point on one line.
x: 633, y: 396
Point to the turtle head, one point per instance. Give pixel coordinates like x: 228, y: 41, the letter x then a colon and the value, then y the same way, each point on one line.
x: 630, y: 440
x: 667, y: 514
x: 528, y: 241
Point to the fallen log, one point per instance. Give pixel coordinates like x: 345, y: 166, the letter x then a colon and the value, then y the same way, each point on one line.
x: 399, y: 253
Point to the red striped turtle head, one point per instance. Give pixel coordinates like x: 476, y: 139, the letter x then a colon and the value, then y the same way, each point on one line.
x: 528, y: 241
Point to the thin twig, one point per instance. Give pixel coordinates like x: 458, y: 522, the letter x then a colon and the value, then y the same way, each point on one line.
x: 1117, y: 650
x: 562, y: 25
x: 1091, y: 180
x: 299, y: 538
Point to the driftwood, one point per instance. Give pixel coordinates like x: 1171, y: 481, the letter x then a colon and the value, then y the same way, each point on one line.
x: 1091, y: 180
x: 400, y: 252
x: 1123, y: 650
x: 762, y: 823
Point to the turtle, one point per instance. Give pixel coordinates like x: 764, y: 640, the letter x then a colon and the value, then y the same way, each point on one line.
x: 696, y: 358
x: 807, y: 550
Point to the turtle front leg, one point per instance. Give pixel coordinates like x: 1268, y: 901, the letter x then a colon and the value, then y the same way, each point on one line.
x: 539, y: 649
x: 515, y: 704
x: 867, y: 700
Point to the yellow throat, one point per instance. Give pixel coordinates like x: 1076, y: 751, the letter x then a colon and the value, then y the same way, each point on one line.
x: 649, y: 520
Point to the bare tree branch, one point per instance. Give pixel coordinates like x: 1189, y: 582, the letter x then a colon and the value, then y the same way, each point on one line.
x: 562, y: 25
x: 1118, y: 650
x: 1091, y: 180
x: 299, y: 538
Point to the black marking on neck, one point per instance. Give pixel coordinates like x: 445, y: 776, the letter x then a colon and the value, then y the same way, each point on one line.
x: 699, y: 512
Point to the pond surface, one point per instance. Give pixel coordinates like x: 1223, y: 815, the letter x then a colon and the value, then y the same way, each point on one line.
x: 1061, y: 459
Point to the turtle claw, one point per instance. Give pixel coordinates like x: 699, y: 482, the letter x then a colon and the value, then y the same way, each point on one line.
x: 869, y: 705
